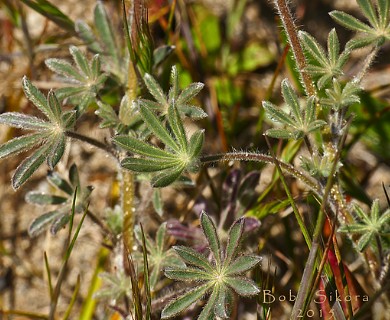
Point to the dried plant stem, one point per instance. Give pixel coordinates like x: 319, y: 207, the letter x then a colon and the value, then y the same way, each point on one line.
x: 292, y: 35
x: 127, y: 187
x: 127, y: 190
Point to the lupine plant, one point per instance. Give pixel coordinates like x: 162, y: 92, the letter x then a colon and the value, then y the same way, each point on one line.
x: 154, y: 137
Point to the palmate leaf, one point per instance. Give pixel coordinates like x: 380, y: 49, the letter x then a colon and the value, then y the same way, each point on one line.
x: 49, y: 135
x: 83, y: 81
x: 182, y: 99
x: 104, y: 41
x: 299, y: 122
x: 368, y: 225
x: 338, y: 96
x: 58, y: 218
x: 169, y: 163
x: 159, y: 254
x: 374, y: 34
x: 163, y: 119
x: 324, y: 67
x: 218, y: 278
x: 29, y: 165
x: 182, y: 303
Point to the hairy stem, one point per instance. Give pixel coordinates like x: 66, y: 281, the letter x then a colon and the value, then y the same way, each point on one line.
x: 93, y: 142
x: 258, y: 157
x: 292, y: 35
x: 367, y: 64
x: 127, y: 186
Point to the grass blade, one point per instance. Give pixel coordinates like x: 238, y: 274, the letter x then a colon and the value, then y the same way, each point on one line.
x: 51, y: 12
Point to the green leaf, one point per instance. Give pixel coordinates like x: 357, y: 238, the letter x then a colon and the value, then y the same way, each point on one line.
x: 221, y: 304
x: 192, y: 112
x: 151, y: 105
x: 365, y: 240
x: 81, y: 61
x: 375, y: 210
x: 28, y: 166
x: 59, y: 223
x: 233, y: 242
x: 67, y: 92
x: 333, y: 46
x: 40, y: 223
x: 187, y: 274
x: 108, y: 115
x: 177, y: 126
x: 155, y: 90
x: 158, y: 202
x: 316, y: 125
x: 362, y: 215
x: 55, y: 107
x: 37, y: 98
x: 148, y: 165
x: 22, y: 121
x: 160, y: 54
x: 291, y: 99
x: 196, y: 144
x: 383, y: 12
x: 63, y: 68
x: 74, y: 177
x: 87, y: 35
x: 193, y: 257
x: 210, y: 232
x: 189, y: 93
x: 43, y: 198
x: 131, y: 144
x: 369, y: 11
x: 20, y: 144
x: 57, y: 151
x: 310, y: 111
x: 242, y: 264
x: 313, y: 48
x: 208, y: 310
x: 279, y: 133
x: 354, y: 228
x: 59, y: 183
x: 160, y: 237
x: 154, y: 124
x: 68, y: 119
x: 242, y: 286
x: 361, y: 42
x: 174, y: 90
x: 106, y: 35
x: 349, y: 21
x: 167, y: 177
x: 277, y: 115
x: 95, y: 66
x: 183, y: 302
